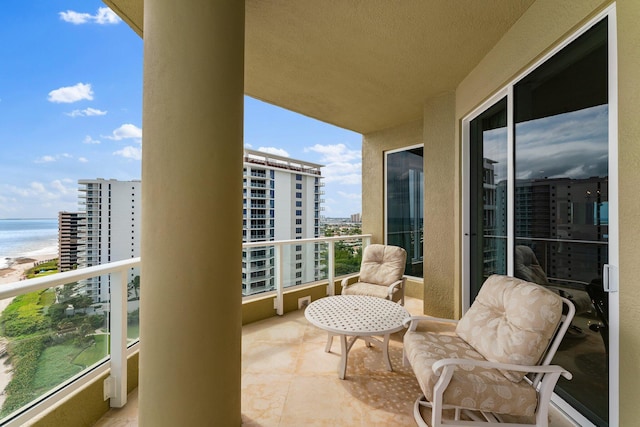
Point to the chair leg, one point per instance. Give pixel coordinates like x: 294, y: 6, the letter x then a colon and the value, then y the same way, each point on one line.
x: 421, y: 401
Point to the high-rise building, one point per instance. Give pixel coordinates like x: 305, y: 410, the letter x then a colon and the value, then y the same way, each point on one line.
x: 110, y: 228
x: 281, y: 201
x: 68, y: 240
x: 356, y: 218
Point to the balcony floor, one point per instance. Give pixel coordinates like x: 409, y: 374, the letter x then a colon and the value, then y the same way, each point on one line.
x: 288, y: 380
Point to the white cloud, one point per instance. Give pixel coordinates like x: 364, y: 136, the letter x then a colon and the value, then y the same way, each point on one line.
x: 106, y: 16
x: 38, y: 187
x: 45, y: 159
x: 38, y: 199
x: 71, y: 94
x: 335, y: 153
x: 103, y: 16
x: 86, y: 112
x: 125, y: 131
x: 350, y: 196
x: 88, y: 140
x: 50, y: 159
x: 83, y: 160
x: 129, y: 152
x: 75, y: 17
x: 274, y: 150
x: 342, y: 165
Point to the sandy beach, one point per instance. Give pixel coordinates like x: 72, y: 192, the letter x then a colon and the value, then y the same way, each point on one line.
x: 15, y: 273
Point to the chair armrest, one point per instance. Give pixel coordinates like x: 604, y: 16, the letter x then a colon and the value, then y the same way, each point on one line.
x: 412, y: 322
x: 345, y: 281
x: 543, y: 369
x: 396, y: 284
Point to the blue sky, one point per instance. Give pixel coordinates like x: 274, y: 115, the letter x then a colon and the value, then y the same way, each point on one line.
x: 71, y: 108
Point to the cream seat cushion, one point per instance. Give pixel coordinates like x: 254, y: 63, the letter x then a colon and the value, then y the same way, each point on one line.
x: 471, y: 387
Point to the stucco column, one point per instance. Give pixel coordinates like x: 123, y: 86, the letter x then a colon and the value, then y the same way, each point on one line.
x: 441, y: 192
x: 190, y: 357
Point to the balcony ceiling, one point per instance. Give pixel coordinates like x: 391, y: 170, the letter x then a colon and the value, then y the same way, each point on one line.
x: 363, y: 65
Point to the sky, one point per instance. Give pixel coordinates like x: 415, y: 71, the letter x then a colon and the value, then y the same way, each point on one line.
x: 71, y: 108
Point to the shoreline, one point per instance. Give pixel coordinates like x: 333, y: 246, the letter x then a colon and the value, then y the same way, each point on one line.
x: 14, y: 272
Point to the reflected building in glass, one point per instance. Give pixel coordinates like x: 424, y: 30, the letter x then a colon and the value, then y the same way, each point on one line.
x: 565, y: 222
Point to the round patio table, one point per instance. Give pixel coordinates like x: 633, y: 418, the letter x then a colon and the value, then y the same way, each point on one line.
x: 356, y: 317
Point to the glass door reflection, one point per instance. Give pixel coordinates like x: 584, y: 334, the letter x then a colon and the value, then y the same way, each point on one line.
x: 561, y: 205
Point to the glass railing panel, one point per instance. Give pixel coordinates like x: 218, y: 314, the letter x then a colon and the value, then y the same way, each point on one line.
x: 133, y: 307
x: 348, y: 256
x: 258, y: 274
x: 299, y: 263
x: 48, y: 337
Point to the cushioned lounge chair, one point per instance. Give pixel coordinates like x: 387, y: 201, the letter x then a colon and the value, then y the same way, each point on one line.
x: 495, y: 365
x: 381, y: 273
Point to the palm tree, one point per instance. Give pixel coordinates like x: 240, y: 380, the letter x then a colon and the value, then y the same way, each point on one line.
x: 134, y: 287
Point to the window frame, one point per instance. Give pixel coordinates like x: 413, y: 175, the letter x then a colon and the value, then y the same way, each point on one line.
x: 385, y: 180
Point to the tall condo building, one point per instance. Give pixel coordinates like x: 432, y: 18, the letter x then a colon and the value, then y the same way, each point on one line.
x: 68, y: 240
x: 110, y: 228
x: 281, y: 201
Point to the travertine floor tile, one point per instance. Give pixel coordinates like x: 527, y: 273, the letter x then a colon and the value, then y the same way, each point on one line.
x: 289, y: 381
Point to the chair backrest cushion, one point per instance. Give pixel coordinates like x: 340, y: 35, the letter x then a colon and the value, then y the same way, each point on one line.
x: 382, y: 264
x: 527, y: 267
x: 511, y: 321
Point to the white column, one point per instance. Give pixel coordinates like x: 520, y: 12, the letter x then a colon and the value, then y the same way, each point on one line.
x: 190, y: 356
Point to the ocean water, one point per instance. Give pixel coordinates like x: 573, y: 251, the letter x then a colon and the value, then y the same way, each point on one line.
x: 27, y: 237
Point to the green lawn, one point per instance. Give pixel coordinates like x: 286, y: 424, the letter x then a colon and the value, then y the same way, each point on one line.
x: 60, y: 362
x: 55, y: 366
x: 94, y: 352
x: 133, y: 331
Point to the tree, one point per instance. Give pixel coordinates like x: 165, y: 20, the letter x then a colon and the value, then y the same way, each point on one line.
x: 133, y: 287
x: 347, y: 258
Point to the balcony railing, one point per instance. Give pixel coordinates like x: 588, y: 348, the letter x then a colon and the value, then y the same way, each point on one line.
x: 114, y: 338
x: 296, y: 264
x: 304, y: 262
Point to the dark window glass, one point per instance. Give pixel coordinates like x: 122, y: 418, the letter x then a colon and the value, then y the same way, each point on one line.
x: 405, y: 189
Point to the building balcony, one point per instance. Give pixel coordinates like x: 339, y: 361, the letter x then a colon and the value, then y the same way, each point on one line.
x: 288, y: 380
x: 281, y: 353
x: 108, y: 364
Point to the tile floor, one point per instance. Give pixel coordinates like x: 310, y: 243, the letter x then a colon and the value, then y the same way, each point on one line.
x: 288, y: 380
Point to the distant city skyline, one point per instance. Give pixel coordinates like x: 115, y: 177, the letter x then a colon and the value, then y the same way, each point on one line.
x: 71, y: 109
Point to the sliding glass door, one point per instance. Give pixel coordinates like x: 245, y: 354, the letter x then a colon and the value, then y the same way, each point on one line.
x: 538, y: 201
x: 488, y: 194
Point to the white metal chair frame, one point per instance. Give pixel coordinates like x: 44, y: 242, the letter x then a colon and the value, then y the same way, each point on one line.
x: 391, y: 289
x: 544, y: 379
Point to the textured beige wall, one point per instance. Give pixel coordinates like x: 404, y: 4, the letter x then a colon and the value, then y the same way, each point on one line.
x: 440, y: 200
x: 437, y: 133
x: 544, y: 25
x: 374, y: 146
